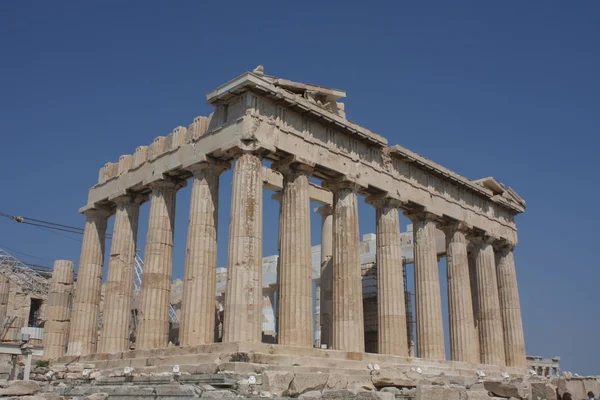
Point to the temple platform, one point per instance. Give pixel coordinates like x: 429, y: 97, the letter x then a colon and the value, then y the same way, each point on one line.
x: 247, y: 359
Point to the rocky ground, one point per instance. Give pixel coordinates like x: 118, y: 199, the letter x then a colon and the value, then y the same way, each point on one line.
x: 77, y: 382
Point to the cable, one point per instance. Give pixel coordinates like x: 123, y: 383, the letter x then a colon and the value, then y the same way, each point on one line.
x: 47, y: 224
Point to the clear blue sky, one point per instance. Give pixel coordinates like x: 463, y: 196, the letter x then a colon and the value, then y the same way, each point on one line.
x: 508, y: 89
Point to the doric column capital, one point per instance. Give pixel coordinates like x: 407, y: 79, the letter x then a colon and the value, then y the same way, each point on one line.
x: 98, y: 213
x: 503, y: 246
x: 343, y: 182
x: 421, y: 214
x: 383, y: 201
x: 479, y: 238
x: 325, y: 210
x: 217, y: 166
x: 293, y: 165
x: 162, y: 184
x: 449, y: 226
x: 130, y: 198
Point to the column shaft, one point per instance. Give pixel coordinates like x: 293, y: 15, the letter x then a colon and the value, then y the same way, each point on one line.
x: 391, y: 310
x: 119, y: 285
x: 295, y: 269
x: 326, y: 280
x: 153, y: 330
x: 200, y: 275
x: 460, y: 306
x: 428, y: 301
x: 83, y: 333
x: 490, y: 322
x: 58, y: 310
x: 348, y: 328
x: 243, y: 297
x: 510, y: 309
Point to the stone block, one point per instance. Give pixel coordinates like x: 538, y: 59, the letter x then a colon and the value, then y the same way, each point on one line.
x: 390, y: 377
x: 174, y: 391
x: 337, y: 382
x: 50, y: 396
x: 439, y: 393
x: 218, y: 394
x: 20, y: 388
x: 516, y: 388
x: 477, y: 395
x: 543, y: 391
x: 313, y: 394
x: 307, y: 382
x: 277, y: 382
x: 97, y: 396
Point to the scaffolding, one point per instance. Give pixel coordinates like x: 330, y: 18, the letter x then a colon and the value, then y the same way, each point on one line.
x: 137, y: 286
x: 22, y: 275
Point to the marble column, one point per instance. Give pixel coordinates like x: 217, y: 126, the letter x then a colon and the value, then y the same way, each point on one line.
x: 243, y: 298
x: 83, y: 333
x: 58, y: 310
x: 510, y: 308
x: 491, y: 338
x: 460, y: 304
x: 200, y: 275
x: 326, y: 280
x: 119, y: 285
x: 391, y: 309
x: 295, y: 308
x: 348, y: 325
x: 428, y: 300
x: 153, y: 317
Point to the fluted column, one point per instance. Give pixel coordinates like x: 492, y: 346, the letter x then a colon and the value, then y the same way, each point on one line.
x: 391, y: 309
x: 153, y: 331
x: 83, y: 333
x: 58, y: 310
x: 326, y: 280
x: 428, y: 300
x: 348, y: 325
x: 510, y: 308
x: 243, y: 297
x: 295, y: 324
x: 119, y: 285
x: 200, y: 275
x: 491, y: 337
x: 463, y: 341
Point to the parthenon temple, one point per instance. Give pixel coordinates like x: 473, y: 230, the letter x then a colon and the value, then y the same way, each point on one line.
x: 286, y: 136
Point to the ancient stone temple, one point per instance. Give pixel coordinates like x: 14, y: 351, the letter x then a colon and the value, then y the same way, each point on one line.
x: 302, y: 131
